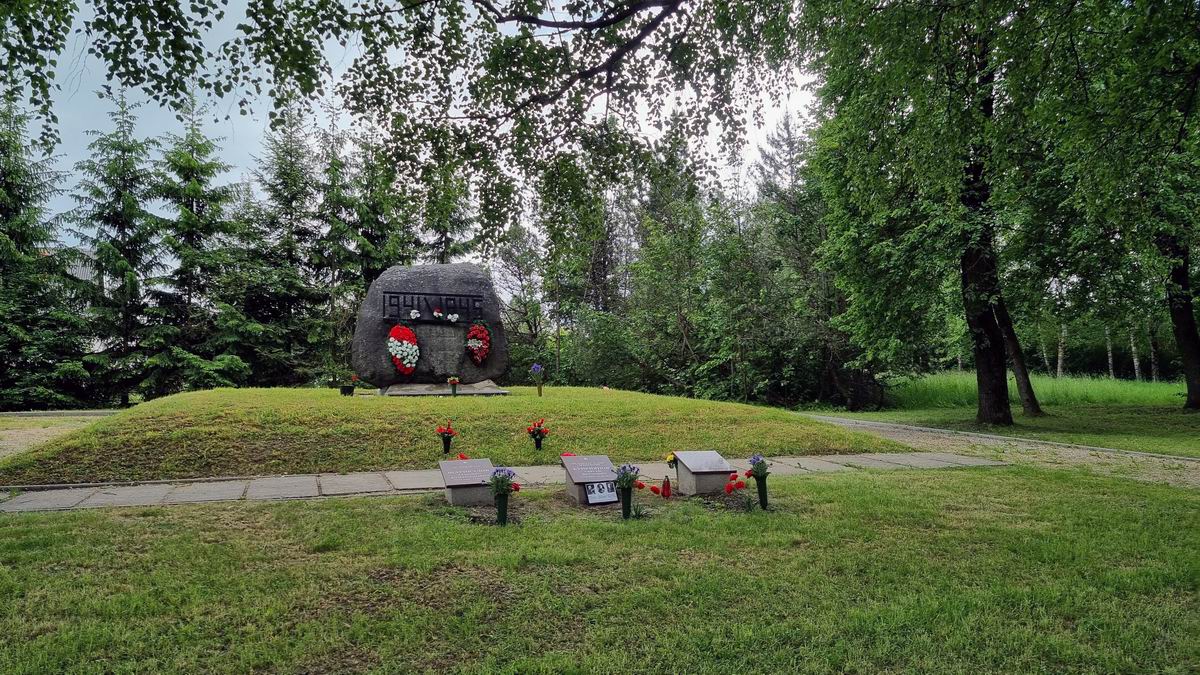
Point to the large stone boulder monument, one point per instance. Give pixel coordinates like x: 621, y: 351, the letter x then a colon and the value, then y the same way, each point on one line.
x: 420, y: 324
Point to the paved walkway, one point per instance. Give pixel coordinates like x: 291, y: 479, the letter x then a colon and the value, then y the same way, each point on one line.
x: 311, y: 486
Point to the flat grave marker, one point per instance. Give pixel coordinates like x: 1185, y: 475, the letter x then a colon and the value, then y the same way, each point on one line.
x: 701, y: 472
x: 590, y: 479
x: 466, y: 481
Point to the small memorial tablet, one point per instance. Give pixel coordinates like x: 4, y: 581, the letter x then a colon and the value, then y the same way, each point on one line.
x: 590, y: 479
x: 700, y: 472
x: 466, y: 481
x: 601, y: 493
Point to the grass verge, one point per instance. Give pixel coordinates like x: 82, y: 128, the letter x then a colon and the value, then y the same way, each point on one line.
x: 974, y: 570
x: 271, y: 431
x: 1168, y: 431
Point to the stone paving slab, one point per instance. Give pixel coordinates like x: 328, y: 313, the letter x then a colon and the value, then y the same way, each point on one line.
x: 128, y: 495
x: 391, y: 482
x: 813, y: 464
x: 962, y: 460
x: 353, y: 483
x: 915, y: 460
x: 283, y: 487
x: 48, y: 500
x: 540, y: 475
x: 429, y: 479
x: 217, y: 491
x: 863, y: 462
x: 776, y: 467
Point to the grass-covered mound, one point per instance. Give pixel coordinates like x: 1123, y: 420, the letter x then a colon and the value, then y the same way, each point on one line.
x: 958, y: 571
x: 270, y: 431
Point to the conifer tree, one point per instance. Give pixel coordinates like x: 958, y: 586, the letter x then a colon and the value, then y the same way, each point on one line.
x: 182, y: 335
x: 112, y: 219
x: 43, y: 337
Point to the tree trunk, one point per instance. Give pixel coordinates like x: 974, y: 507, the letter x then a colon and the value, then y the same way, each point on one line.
x: 987, y: 338
x: 977, y: 265
x: 1137, y: 367
x: 1062, y: 349
x: 959, y: 364
x: 1029, y: 402
x: 1180, y: 303
x: 1112, y: 372
x: 1045, y: 354
x: 1152, y: 330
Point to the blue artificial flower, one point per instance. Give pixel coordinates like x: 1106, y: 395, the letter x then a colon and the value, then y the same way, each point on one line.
x: 629, y: 469
x: 536, y: 369
x: 504, y: 472
x: 756, y: 459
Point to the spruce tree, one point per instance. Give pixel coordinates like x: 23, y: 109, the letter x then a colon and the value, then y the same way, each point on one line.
x: 182, y: 340
x: 112, y: 219
x: 385, y: 229
x: 448, y: 219
x: 43, y: 336
x: 336, y: 263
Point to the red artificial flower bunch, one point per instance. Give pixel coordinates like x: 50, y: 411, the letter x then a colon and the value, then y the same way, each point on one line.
x: 462, y: 455
x: 516, y: 487
x: 479, y: 342
x: 537, y: 430
x: 354, y: 378
x: 446, y: 431
x: 735, y: 483
x: 567, y: 454
x: 664, y: 491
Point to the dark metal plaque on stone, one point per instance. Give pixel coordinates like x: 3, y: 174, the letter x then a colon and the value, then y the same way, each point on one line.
x: 463, y: 472
x: 704, y: 461
x: 589, y: 469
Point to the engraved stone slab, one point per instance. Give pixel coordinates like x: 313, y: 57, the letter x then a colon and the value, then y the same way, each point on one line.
x: 466, y: 481
x: 701, y: 472
x: 703, y: 461
x: 584, y: 471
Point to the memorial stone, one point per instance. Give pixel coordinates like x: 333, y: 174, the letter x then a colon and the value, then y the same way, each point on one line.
x: 590, y: 479
x: 466, y: 481
x: 701, y: 472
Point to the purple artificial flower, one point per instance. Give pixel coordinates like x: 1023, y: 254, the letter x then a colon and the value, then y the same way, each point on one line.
x: 536, y: 369
x: 504, y: 472
x: 756, y: 459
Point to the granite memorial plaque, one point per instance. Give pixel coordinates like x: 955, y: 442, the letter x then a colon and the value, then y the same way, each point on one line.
x: 420, y: 324
x: 590, y: 479
x: 701, y: 472
x: 466, y: 481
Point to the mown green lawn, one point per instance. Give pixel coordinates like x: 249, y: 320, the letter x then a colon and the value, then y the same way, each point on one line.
x: 1166, y: 430
x: 970, y: 570
x: 227, y: 432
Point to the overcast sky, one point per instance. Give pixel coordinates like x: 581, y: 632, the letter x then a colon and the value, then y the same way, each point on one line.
x: 79, y: 109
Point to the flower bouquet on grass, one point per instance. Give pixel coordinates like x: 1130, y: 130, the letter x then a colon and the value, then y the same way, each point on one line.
x: 537, y: 372
x: 758, y: 471
x: 502, y: 486
x: 671, y: 461
x: 447, y: 433
x: 627, y: 479
x: 538, y: 431
x: 453, y: 382
x: 736, y: 487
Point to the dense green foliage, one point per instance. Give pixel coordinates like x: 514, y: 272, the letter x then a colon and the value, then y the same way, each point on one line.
x: 984, y: 179
x: 226, y: 432
x: 970, y: 570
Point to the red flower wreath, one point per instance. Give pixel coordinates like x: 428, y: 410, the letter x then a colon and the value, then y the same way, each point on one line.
x: 479, y: 343
x: 402, y: 345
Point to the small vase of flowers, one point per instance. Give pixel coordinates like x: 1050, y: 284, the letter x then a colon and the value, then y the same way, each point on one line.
x: 348, y: 389
x: 627, y: 478
x: 453, y: 382
x: 758, y: 471
x: 538, y: 432
x: 502, y: 486
x: 538, y: 373
x: 447, y: 433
